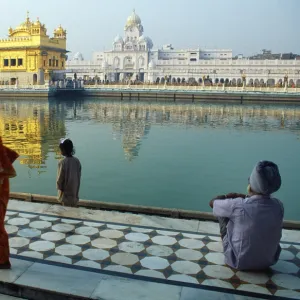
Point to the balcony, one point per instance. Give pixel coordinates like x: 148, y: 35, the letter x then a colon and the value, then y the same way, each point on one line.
x: 128, y: 65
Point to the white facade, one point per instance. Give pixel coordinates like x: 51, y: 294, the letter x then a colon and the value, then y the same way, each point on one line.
x: 132, y: 57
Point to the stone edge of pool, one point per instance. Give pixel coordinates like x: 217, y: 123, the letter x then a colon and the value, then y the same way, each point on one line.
x: 140, y: 209
x: 188, y: 95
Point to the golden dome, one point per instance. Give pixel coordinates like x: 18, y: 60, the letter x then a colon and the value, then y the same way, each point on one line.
x: 59, y: 32
x: 37, y: 22
x: 133, y: 19
x: 25, y: 25
x: 59, y: 29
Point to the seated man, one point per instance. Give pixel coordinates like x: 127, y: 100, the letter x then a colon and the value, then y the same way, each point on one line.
x: 251, y: 225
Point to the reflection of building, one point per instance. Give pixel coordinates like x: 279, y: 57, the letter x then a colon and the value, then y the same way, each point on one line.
x: 30, y: 56
x: 132, y: 131
x: 131, y: 122
x: 132, y: 57
x: 32, y: 130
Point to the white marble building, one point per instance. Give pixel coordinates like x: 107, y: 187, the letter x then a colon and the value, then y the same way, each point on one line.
x: 133, y: 56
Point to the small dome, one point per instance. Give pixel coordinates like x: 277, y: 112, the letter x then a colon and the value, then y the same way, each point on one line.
x: 151, y: 64
x: 78, y: 56
x: 147, y: 40
x: 118, y: 39
x: 37, y: 22
x: 133, y: 19
x: 59, y: 29
x: 104, y: 64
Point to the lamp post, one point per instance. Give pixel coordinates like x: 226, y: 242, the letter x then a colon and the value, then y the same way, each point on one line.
x: 244, y: 80
x: 285, y: 78
x: 166, y: 78
x: 214, y: 79
x: 269, y: 72
x: 203, y: 80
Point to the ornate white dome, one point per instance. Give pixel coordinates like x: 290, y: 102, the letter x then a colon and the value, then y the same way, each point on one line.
x: 147, y: 40
x: 78, y: 56
x: 118, y: 39
x: 133, y: 19
x: 104, y: 64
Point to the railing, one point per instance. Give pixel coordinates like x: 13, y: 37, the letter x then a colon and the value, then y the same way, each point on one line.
x: 174, y: 88
x: 27, y: 87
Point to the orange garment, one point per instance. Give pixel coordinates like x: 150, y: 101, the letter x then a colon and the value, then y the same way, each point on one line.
x: 7, y: 157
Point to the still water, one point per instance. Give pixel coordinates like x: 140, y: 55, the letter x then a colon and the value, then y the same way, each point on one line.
x: 159, y: 154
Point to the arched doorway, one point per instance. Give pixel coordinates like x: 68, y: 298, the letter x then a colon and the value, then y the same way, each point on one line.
x: 157, y: 80
x: 173, y: 80
x: 256, y: 82
x: 233, y: 81
x: 251, y: 82
x: 191, y: 80
x: 216, y: 80
x: 183, y: 80
x: 13, y: 81
x: 178, y: 80
x: 239, y: 82
x: 162, y: 80
x: 200, y: 80
x: 271, y: 82
x: 34, y: 79
x: 262, y: 83
x: 298, y: 83
x: 291, y: 82
x: 222, y: 80
x: 226, y: 80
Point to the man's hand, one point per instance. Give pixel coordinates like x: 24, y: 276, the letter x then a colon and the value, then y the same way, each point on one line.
x: 235, y: 195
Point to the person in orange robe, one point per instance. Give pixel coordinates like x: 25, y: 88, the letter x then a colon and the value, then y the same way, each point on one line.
x: 7, y: 157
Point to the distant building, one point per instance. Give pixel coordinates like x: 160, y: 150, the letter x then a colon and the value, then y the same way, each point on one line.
x: 30, y: 56
x: 133, y: 57
x: 267, y: 54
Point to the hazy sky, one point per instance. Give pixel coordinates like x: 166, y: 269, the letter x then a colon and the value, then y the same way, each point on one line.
x: 246, y: 26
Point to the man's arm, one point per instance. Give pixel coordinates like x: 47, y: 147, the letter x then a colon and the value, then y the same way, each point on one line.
x: 227, y: 196
x: 211, y: 202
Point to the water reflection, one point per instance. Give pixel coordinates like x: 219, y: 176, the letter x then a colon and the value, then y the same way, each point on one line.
x: 208, y: 115
x: 33, y: 128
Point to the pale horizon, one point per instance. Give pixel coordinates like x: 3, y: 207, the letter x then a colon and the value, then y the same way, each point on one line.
x: 244, y: 27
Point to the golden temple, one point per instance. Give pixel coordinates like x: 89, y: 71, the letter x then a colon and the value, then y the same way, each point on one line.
x: 30, y: 56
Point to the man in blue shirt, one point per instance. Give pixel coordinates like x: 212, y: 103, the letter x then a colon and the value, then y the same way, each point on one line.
x: 251, y: 225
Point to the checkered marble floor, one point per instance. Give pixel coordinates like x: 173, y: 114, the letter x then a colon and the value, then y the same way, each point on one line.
x: 150, y: 253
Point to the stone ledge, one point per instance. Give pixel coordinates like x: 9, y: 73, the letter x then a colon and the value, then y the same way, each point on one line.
x: 148, y: 210
x: 27, y: 292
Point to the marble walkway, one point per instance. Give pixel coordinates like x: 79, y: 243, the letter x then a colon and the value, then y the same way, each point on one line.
x: 111, y: 255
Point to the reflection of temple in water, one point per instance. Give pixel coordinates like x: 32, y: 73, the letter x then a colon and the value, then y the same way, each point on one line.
x: 130, y: 124
x: 132, y: 132
x: 33, y: 129
x: 132, y: 121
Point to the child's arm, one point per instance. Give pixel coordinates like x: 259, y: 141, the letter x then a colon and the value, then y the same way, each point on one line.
x: 60, y: 177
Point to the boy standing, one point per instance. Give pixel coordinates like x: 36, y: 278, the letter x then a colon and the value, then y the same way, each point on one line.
x: 68, y: 175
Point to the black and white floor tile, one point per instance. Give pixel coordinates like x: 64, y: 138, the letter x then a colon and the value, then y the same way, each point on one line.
x: 164, y: 254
